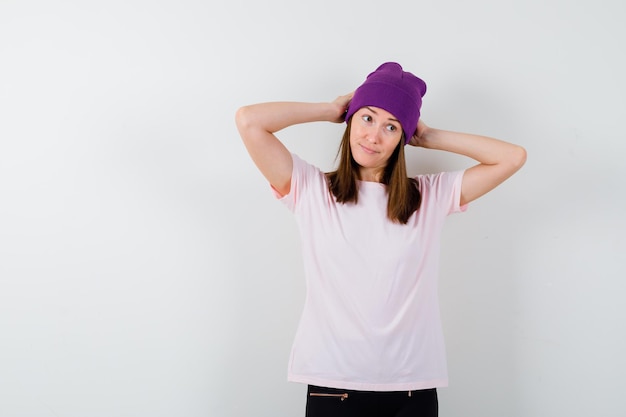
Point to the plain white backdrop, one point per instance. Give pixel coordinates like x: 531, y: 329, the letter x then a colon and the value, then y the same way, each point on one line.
x: 145, y: 269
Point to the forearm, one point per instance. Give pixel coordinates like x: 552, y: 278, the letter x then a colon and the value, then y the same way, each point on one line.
x: 274, y: 116
x: 486, y: 150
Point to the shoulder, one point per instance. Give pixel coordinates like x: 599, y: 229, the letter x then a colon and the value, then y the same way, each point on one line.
x: 441, y: 179
x: 442, y: 189
x: 304, y: 169
x: 307, y: 181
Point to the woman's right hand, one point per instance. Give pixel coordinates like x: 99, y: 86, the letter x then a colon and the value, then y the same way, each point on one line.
x: 341, y: 103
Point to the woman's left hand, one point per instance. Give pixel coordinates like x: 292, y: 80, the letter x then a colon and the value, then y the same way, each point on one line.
x: 418, y: 138
x: 342, y: 103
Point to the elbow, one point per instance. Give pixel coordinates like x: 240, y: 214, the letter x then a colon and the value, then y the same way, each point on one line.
x: 246, y: 124
x: 242, y: 118
x: 514, y: 160
x: 519, y: 157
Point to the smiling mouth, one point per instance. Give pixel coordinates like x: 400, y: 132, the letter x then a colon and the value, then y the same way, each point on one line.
x: 367, y: 150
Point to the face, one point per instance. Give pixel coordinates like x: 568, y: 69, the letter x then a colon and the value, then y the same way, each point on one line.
x: 374, y: 135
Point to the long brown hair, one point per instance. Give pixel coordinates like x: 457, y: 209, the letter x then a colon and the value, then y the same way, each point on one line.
x: 403, y: 193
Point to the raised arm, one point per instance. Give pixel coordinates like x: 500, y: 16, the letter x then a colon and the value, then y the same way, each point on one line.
x: 257, y: 124
x: 498, y: 160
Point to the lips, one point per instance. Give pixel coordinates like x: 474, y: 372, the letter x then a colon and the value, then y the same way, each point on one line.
x: 367, y: 150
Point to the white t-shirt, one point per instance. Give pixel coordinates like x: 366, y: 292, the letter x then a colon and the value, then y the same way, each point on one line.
x: 371, y: 315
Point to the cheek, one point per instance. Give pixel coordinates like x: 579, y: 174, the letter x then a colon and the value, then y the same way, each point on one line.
x: 391, y: 147
x: 397, y: 138
x: 354, y: 131
x: 354, y: 134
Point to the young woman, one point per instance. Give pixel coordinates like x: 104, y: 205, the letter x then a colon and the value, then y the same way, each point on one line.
x: 370, y: 342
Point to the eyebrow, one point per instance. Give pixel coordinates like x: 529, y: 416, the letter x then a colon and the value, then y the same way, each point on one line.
x: 374, y: 111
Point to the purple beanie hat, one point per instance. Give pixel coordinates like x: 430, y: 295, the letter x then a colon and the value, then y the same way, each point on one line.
x: 392, y: 89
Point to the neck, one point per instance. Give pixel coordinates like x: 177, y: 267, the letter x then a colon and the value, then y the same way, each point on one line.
x: 370, y: 175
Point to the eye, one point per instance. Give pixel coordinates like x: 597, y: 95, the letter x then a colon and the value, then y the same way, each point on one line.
x: 392, y: 128
x: 366, y: 118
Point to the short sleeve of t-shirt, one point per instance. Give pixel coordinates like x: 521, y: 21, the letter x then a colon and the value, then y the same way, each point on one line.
x: 307, y: 181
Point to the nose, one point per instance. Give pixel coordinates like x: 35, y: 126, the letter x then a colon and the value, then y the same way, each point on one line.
x: 372, y: 135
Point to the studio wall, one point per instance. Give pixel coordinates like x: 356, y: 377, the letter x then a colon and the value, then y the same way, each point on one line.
x: 147, y: 270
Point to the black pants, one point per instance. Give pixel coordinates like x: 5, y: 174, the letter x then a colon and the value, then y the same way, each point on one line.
x: 332, y: 402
